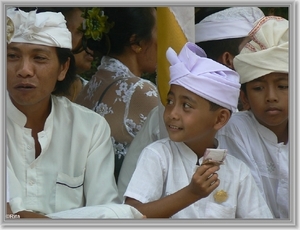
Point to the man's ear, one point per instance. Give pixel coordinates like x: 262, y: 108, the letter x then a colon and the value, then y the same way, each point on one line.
x: 244, y: 100
x: 223, y: 116
x: 226, y: 59
x: 64, y: 70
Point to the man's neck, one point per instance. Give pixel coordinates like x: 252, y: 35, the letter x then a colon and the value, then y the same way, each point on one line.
x: 36, y: 114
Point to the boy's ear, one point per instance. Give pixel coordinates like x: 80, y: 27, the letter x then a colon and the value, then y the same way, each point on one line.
x: 244, y: 100
x: 222, y: 118
x: 226, y: 59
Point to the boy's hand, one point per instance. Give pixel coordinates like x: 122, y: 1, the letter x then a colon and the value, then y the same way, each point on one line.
x: 204, y: 180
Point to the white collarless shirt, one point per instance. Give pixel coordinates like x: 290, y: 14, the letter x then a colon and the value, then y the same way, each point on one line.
x: 165, y: 167
x: 76, y: 164
x: 268, y: 160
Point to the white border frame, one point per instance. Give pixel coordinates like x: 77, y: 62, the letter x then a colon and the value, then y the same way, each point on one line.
x: 165, y: 223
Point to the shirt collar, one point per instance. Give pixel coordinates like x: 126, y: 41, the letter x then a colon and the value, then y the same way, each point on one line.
x: 19, y: 118
x: 188, y: 154
x: 13, y: 113
x: 264, y: 131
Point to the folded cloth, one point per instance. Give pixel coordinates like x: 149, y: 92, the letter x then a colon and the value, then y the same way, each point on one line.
x: 267, y: 52
x: 45, y: 28
x: 203, y: 76
x: 233, y: 22
x: 106, y: 211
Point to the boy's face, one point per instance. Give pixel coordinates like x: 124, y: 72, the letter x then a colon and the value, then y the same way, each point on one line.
x: 267, y: 97
x: 32, y: 73
x: 188, y: 118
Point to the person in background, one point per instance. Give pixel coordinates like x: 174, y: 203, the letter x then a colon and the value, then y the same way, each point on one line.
x: 172, y: 178
x: 259, y: 137
x: 83, y: 57
x: 60, y: 153
x: 117, y: 91
x: 223, y: 34
x: 225, y: 28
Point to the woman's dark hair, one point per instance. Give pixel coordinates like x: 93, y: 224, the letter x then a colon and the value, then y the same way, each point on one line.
x: 214, y: 49
x: 63, y: 86
x: 127, y: 22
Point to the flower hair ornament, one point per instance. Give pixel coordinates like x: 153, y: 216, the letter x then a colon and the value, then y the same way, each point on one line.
x: 94, y: 25
x: 10, y: 30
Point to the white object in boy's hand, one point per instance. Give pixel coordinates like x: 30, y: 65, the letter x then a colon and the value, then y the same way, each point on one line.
x: 214, y: 156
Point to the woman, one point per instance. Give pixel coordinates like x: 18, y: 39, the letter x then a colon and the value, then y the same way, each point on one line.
x: 117, y: 91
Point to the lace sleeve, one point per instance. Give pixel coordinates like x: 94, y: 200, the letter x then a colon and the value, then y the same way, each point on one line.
x: 143, y: 100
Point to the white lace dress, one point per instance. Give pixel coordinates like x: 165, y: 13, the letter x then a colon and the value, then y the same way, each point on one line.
x: 122, y: 98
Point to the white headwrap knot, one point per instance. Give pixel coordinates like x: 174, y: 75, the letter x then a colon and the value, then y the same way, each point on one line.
x: 47, y: 28
x: 267, y: 52
x: 205, y: 77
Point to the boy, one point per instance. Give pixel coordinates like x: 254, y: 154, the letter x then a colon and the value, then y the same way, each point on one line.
x: 170, y: 179
x: 259, y: 137
x: 226, y: 29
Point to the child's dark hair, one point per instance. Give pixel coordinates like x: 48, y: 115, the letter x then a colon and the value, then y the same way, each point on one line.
x: 214, y: 107
x: 127, y: 21
x: 63, y: 86
x: 243, y: 88
x: 214, y: 49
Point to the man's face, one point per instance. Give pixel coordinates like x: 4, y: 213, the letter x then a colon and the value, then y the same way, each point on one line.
x: 32, y: 73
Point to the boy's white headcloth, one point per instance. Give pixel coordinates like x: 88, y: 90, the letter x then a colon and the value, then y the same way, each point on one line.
x: 205, y: 77
x: 267, y: 52
x: 234, y: 22
x: 46, y: 28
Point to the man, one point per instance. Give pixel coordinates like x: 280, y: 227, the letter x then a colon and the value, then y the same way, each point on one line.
x: 60, y: 154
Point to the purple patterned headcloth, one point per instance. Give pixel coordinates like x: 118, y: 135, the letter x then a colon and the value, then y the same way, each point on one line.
x: 205, y: 77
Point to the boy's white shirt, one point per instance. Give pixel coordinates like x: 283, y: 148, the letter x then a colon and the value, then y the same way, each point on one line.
x: 268, y: 160
x: 152, y: 130
x: 165, y: 167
